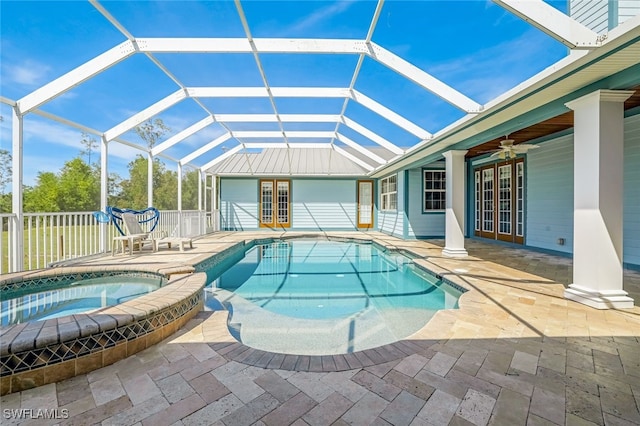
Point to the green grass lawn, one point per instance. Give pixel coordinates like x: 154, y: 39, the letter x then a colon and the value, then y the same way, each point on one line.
x: 45, y: 245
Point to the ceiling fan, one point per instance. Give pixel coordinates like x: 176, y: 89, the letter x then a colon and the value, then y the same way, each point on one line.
x: 509, y: 150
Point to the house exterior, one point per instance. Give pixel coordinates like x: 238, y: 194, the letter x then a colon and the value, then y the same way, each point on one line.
x: 576, y: 192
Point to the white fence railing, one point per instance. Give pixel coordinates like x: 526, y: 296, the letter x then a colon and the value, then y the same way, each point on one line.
x: 55, y: 237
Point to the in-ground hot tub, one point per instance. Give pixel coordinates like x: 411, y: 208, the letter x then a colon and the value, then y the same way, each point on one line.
x: 47, y: 350
x: 53, y: 297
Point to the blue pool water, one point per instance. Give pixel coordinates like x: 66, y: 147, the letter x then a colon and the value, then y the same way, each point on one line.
x: 325, y: 297
x: 73, y: 297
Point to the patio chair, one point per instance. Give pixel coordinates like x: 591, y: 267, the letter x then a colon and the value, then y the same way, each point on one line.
x: 134, y: 235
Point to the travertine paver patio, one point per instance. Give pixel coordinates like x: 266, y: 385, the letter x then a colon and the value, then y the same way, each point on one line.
x: 516, y: 352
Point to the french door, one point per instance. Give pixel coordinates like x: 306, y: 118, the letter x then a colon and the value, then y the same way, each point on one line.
x: 275, y: 203
x: 365, y: 203
x: 499, y: 201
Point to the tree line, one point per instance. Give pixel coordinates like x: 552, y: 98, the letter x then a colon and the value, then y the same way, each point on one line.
x: 76, y: 186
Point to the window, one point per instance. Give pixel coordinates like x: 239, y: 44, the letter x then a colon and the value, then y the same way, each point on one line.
x: 389, y: 193
x: 435, y: 198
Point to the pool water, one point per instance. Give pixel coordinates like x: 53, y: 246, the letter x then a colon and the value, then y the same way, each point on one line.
x: 317, y: 297
x: 73, y: 297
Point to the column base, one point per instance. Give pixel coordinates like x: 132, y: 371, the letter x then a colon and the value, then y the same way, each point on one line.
x: 610, y: 299
x: 454, y: 252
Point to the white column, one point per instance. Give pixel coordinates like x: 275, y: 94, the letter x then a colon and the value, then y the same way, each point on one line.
x: 598, y: 200
x: 149, y: 179
x: 454, y: 214
x: 104, y: 188
x: 16, y: 263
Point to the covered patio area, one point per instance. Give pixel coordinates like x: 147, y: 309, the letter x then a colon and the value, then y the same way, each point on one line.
x: 515, y: 352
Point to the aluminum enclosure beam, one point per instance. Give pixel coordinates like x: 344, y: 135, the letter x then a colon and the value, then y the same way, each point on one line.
x: 385, y: 112
x: 277, y: 134
x: 76, y: 76
x: 311, y: 46
x: 182, y: 135
x: 553, y: 22
x: 311, y: 92
x: 271, y: 118
x: 208, y: 147
x: 424, y: 79
x: 221, y: 158
x: 243, y: 45
x: 353, y: 158
x: 360, y: 148
x: 145, y: 114
x: 372, y: 136
x: 269, y: 145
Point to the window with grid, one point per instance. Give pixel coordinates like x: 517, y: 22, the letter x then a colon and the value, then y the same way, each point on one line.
x: 520, y: 199
x: 487, y: 200
x: 434, y: 191
x: 389, y: 193
x: 504, y: 199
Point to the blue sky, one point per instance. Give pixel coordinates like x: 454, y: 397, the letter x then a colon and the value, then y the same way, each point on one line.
x: 475, y: 46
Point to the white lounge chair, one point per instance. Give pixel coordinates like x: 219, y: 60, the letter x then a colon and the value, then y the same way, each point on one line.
x: 181, y: 241
x: 135, y: 235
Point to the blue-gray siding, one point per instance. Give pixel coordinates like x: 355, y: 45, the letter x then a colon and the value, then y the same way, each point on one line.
x: 239, y: 204
x: 420, y: 224
x: 593, y: 14
x: 549, y: 195
x: 627, y: 9
x: 323, y: 204
x: 315, y: 204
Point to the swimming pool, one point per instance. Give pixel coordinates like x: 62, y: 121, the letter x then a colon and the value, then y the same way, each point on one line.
x: 71, y: 295
x: 318, y: 297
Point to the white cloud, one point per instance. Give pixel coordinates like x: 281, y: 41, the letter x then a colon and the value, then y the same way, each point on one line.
x: 320, y: 15
x: 29, y: 73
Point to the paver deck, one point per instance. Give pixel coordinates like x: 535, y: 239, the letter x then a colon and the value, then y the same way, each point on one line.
x: 516, y: 352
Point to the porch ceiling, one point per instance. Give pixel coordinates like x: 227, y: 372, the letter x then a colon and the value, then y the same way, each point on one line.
x: 544, y: 128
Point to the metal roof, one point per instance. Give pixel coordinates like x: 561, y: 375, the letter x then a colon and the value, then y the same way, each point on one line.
x: 289, y: 161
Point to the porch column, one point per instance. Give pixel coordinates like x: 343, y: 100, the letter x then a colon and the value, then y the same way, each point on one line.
x: 16, y: 264
x: 598, y: 200
x: 454, y: 214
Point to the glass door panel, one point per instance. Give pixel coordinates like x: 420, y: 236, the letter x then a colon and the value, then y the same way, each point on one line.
x: 365, y: 204
x: 266, y: 203
x: 283, y: 203
x: 504, y: 200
